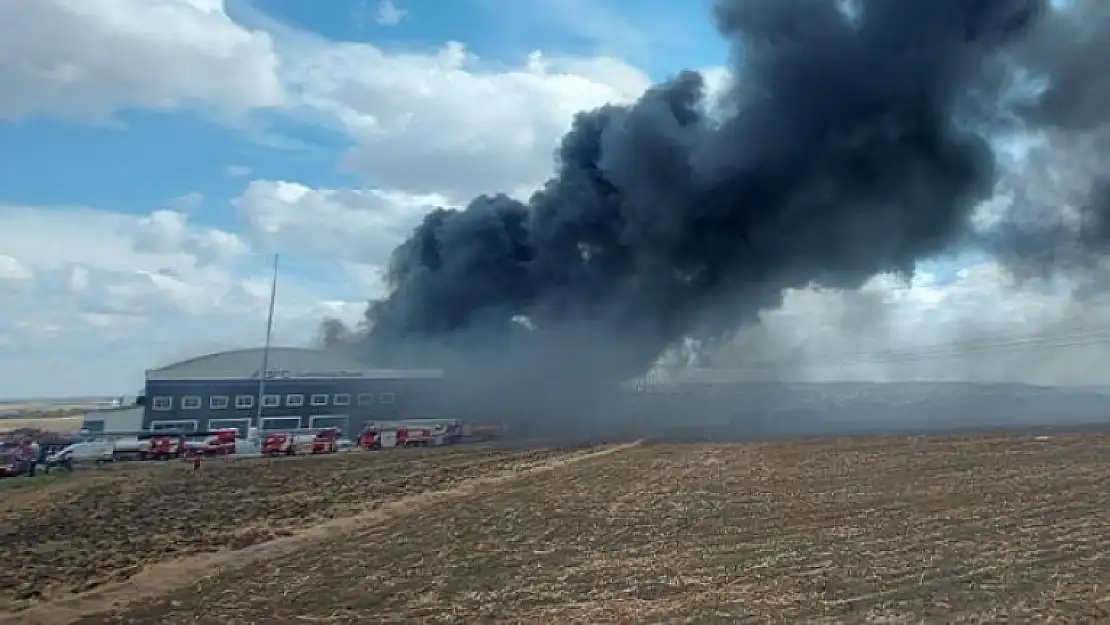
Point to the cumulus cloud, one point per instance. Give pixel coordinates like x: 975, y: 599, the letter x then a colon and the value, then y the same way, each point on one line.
x: 87, y: 59
x: 346, y: 224
x: 429, y: 128
x: 983, y: 325
x: 12, y: 270
x: 388, y: 13
x: 445, y: 122
x: 169, y: 232
x: 81, y: 291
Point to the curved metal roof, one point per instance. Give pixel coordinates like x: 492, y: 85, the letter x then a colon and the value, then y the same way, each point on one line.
x: 282, y: 362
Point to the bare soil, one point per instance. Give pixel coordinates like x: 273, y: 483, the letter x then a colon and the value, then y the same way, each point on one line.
x: 99, y: 527
x: 898, y: 530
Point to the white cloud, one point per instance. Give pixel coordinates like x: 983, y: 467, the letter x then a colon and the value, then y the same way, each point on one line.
x: 93, y: 297
x: 87, y: 59
x: 12, y: 269
x: 981, y: 326
x: 444, y: 122
x: 389, y: 14
x: 430, y: 128
x: 382, y: 13
x: 169, y: 232
x: 353, y: 225
x: 237, y: 171
x: 186, y: 202
x: 90, y: 314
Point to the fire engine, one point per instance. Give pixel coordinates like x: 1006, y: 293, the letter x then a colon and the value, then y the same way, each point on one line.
x: 378, y: 436
x: 215, y: 443
x: 278, y: 443
x: 415, y: 437
x: 165, y: 445
x: 371, y: 438
x: 480, y: 432
x: 324, y: 441
x: 161, y: 446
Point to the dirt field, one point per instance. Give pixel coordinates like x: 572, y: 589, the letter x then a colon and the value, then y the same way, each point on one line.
x: 88, y: 528
x: 904, y: 530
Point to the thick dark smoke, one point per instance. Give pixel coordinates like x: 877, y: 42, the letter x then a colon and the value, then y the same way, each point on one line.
x: 855, y: 143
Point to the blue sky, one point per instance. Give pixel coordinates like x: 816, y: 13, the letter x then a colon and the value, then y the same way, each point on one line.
x: 156, y: 153
x: 139, y: 171
x: 57, y: 162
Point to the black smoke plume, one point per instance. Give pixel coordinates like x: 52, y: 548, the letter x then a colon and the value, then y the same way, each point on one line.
x: 854, y: 142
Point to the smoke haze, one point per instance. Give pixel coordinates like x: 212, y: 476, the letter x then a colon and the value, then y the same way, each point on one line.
x: 856, y: 139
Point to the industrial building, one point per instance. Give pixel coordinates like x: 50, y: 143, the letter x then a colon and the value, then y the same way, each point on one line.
x: 125, y: 419
x: 302, y: 388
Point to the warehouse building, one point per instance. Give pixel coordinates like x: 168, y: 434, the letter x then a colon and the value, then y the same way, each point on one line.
x: 303, y: 388
x: 126, y: 419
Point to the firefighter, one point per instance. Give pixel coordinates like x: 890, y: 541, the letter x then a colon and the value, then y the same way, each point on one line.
x: 41, y: 459
x: 30, y: 452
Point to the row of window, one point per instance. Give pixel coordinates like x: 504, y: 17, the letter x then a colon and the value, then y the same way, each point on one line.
x: 289, y: 422
x: 292, y: 400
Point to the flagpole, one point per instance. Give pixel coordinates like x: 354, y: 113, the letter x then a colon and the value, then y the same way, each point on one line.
x: 266, y: 346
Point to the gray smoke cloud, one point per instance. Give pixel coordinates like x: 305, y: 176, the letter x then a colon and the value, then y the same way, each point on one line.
x: 855, y: 142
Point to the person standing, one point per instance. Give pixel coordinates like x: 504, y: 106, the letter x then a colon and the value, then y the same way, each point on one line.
x: 31, y: 454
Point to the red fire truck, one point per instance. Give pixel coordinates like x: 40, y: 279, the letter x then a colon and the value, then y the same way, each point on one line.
x: 218, y: 442
x: 371, y: 438
x: 415, y: 437
x: 290, y: 443
x: 326, y: 441
x: 161, y: 446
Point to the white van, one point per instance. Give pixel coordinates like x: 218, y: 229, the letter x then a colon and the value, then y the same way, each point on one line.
x: 94, y: 451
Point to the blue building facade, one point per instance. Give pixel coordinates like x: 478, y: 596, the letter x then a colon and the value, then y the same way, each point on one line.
x: 301, y: 388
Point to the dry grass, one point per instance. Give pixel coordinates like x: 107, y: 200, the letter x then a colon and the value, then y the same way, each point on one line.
x: 50, y: 424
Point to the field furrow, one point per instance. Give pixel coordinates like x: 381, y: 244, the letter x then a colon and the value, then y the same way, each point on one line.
x: 896, y: 530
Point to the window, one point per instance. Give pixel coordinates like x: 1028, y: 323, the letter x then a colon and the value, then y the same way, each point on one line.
x: 320, y: 399
x: 218, y: 402
x: 342, y: 422
x: 271, y: 401
x: 294, y: 399
x: 342, y: 399
x: 162, y: 403
x: 93, y: 427
x: 365, y: 399
x: 243, y: 425
x: 385, y: 398
x: 173, y: 426
x: 243, y: 402
x: 280, y: 423
x: 191, y: 402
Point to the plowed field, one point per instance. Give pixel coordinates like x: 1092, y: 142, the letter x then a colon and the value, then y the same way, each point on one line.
x: 907, y: 530
x: 103, y: 526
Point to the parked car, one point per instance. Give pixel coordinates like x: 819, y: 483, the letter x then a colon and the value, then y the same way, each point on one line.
x: 13, y: 464
x: 91, y: 451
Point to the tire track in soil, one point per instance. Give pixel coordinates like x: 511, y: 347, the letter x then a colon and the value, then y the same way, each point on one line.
x: 164, y: 577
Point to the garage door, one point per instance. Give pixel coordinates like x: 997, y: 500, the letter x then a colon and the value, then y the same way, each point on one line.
x: 343, y: 422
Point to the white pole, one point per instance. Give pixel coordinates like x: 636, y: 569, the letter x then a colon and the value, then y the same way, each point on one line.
x: 266, y: 347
